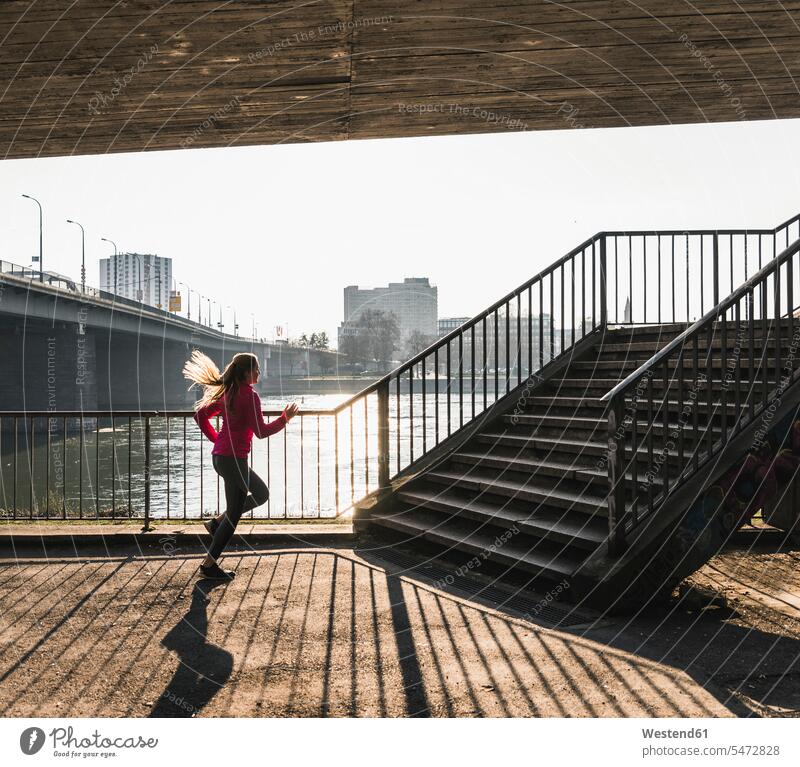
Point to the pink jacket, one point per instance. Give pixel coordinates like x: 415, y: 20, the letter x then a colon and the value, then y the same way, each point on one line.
x: 239, y: 423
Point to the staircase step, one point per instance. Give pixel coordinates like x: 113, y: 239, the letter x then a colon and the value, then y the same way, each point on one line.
x: 597, y: 387
x: 632, y: 364
x: 537, y: 493
x: 532, y: 442
x: 463, y: 537
x: 534, y: 419
x: 595, y: 403
x: 585, y: 532
x: 667, y: 328
x: 638, y: 347
x: 534, y: 467
x: 598, y: 426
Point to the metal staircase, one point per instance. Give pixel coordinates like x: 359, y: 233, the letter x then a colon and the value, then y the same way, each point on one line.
x: 563, y: 438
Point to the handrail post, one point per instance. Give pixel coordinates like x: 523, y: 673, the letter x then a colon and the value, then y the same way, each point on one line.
x: 147, y: 472
x: 603, y: 283
x: 616, y: 477
x: 715, y: 261
x: 383, y: 435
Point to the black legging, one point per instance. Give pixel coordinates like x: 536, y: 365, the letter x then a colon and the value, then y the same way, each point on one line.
x: 239, y: 480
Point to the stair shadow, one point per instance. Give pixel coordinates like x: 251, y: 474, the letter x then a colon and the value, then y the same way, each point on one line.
x: 203, y: 668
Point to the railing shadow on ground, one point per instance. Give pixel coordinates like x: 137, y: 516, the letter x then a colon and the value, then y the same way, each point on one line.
x: 719, y: 657
x: 321, y: 632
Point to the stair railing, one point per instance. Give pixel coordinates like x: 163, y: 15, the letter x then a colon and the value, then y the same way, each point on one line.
x: 420, y: 404
x: 407, y: 413
x: 727, y: 370
x: 665, y: 276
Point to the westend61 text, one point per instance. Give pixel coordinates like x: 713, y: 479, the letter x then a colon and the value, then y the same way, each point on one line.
x: 695, y: 732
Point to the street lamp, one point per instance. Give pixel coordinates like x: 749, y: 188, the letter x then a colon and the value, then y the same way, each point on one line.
x: 235, y: 326
x: 41, y: 263
x: 83, y: 254
x: 209, y: 311
x: 188, y: 300
x: 139, y: 270
x: 103, y: 239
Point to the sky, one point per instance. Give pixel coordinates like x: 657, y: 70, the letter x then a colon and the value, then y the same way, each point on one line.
x: 279, y: 231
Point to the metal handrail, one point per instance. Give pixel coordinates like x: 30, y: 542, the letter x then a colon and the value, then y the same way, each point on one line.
x: 768, y: 379
x: 596, y: 238
x: 703, y: 323
x: 151, y: 464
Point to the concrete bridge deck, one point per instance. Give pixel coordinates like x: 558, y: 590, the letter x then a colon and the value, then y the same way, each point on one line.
x: 335, y: 631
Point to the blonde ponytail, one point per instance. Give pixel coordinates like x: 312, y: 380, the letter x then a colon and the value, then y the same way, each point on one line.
x: 201, y: 371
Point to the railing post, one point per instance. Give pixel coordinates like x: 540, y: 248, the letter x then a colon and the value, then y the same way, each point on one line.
x: 616, y: 477
x: 147, y: 472
x: 383, y: 434
x: 603, y: 284
x: 715, y: 261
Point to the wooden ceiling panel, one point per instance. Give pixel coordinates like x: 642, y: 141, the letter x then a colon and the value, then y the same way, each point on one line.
x: 94, y: 77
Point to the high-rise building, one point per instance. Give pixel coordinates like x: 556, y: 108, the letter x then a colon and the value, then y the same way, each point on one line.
x: 414, y: 302
x: 522, y: 345
x: 139, y: 276
x: 448, y: 324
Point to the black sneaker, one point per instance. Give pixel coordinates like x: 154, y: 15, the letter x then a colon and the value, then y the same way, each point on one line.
x: 211, y: 525
x: 217, y: 573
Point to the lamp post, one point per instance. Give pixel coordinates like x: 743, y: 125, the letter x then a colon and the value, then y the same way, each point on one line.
x: 104, y: 239
x: 83, y: 254
x: 41, y: 262
x: 140, y: 294
x: 235, y: 326
x: 208, y: 317
x: 188, y: 300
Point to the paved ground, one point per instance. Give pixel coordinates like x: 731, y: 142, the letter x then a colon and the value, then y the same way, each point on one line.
x: 335, y: 632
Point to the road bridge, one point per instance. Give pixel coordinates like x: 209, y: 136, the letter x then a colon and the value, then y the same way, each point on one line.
x: 64, y: 349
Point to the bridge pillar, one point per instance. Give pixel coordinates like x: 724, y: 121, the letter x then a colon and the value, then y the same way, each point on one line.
x: 47, y: 366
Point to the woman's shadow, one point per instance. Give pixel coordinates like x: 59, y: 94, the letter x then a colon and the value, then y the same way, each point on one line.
x: 203, y: 668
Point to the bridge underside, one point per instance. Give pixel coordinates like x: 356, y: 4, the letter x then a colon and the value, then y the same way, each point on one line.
x: 101, y: 77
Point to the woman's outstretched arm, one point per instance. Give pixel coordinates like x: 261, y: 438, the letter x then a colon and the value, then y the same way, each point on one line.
x: 263, y: 429
x: 203, y: 419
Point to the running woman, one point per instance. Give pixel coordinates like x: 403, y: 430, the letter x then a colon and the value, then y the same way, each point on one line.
x: 231, y: 394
